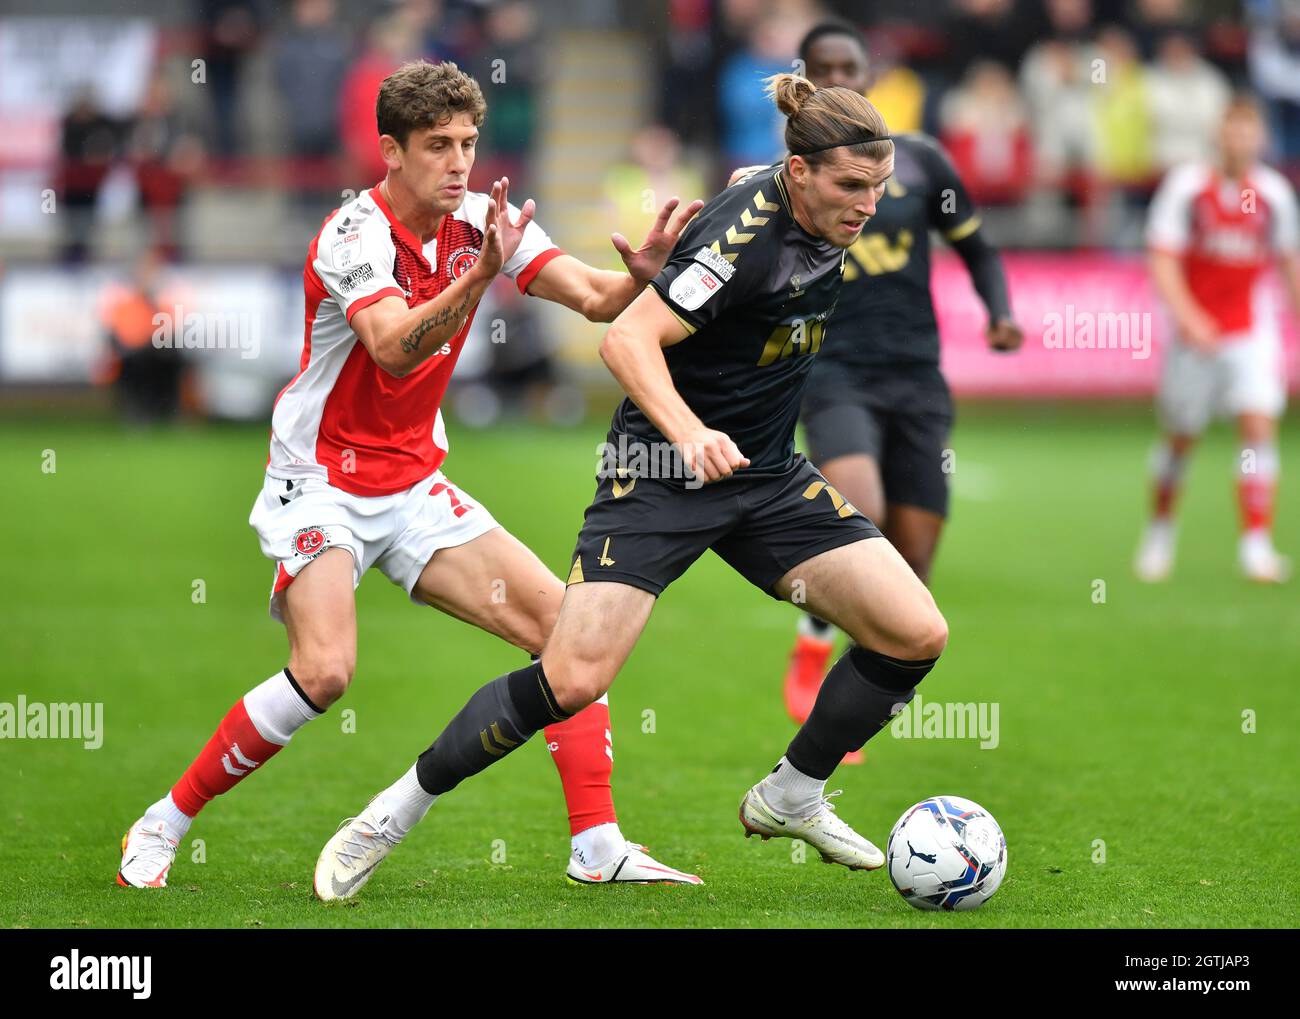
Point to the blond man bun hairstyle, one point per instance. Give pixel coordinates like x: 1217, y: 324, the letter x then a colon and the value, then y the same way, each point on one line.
x: 824, y: 118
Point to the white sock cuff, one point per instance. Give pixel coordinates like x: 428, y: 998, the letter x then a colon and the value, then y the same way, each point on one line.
x: 277, y: 709
x: 166, y: 810
x: 794, y: 782
x: 407, y: 801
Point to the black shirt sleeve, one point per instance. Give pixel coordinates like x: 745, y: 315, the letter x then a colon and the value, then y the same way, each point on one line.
x: 718, y: 261
x: 951, y: 211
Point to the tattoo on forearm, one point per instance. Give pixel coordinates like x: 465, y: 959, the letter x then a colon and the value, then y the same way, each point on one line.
x: 412, y: 340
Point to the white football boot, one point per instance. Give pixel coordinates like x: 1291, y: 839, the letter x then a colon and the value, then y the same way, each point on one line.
x: 351, y: 856
x: 148, y: 852
x: 1260, y: 561
x: 822, y: 829
x: 1155, y: 556
x: 632, y: 866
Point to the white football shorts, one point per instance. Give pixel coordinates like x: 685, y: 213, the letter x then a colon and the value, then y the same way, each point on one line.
x: 297, y: 519
x: 1244, y: 375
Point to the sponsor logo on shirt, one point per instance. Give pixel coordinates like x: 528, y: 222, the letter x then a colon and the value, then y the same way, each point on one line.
x: 715, y: 261
x: 346, y: 250
x: 693, y: 287
x: 361, y: 274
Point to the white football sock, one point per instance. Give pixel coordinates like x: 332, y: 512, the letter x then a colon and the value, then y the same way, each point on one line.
x: 276, y: 708
x: 599, y: 844
x: 789, y: 791
x: 406, y: 803
x: 165, y: 810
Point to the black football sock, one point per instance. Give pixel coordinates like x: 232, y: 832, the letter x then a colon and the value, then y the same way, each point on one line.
x: 861, y: 693
x: 500, y: 717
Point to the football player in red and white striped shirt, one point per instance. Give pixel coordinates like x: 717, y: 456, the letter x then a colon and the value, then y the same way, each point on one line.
x: 1213, y: 231
x: 354, y: 478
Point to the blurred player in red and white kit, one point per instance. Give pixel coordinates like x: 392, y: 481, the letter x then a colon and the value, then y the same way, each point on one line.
x: 1213, y: 232
x: 354, y: 478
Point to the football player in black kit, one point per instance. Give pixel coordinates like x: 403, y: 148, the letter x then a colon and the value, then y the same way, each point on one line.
x: 714, y: 356
x: 877, y: 412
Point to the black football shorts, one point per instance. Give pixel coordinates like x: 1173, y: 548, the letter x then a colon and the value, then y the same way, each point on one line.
x: 907, y: 438
x: 647, y: 531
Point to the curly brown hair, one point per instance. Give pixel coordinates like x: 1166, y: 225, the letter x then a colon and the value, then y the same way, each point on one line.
x: 420, y: 94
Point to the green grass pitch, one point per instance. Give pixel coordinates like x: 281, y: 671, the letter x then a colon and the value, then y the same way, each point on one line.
x: 1120, y: 720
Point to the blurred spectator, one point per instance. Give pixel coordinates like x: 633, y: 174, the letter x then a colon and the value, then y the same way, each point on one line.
x: 437, y: 34
x: 896, y: 91
x: 999, y: 30
x: 1152, y: 20
x: 233, y: 29
x: 166, y: 157
x: 636, y: 190
x: 509, y: 71
x: 984, y: 126
x: 310, y: 57
x: 688, y: 72
x: 388, y: 45
x: 751, y: 125
x: 1187, y: 98
x: 1121, y: 118
x: 1274, y: 61
x: 145, y: 376
x: 1056, y: 81
x: 89, y: 142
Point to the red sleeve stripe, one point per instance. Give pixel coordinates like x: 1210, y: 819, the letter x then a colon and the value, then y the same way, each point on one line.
x: 369, y: 299
x: 531, y: 270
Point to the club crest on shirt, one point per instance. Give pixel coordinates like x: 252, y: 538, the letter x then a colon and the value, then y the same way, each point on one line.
x: 461, y: 261
x: 693, y: 287
x: 309, y: 542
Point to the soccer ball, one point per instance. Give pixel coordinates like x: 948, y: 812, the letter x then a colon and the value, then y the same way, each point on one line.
x: 946, y: 853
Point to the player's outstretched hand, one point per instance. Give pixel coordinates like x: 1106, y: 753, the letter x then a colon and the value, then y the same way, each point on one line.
x: 711, y: 455
x: 1004, y: 335
x: 645, y: 262
x: 499, y: 211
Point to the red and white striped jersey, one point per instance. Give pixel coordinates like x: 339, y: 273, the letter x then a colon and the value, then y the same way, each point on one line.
x: 342, y: 417
x: 1226, y: 232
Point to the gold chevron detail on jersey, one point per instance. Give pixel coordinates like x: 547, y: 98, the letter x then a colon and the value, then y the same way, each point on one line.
x: 716, y: 248
x: 575, y: 574
x: 735, y: 238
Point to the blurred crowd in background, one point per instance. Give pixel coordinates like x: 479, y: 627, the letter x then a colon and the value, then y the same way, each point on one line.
x: 249, y: 120
x: 1012, y: 88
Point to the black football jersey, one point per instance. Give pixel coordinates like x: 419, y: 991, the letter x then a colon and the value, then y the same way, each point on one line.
x: 885, y: 316
x: 755, y: 290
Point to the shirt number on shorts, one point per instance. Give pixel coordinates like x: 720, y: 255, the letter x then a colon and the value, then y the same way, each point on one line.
x: 842, y: 505
x: 458, y: 508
